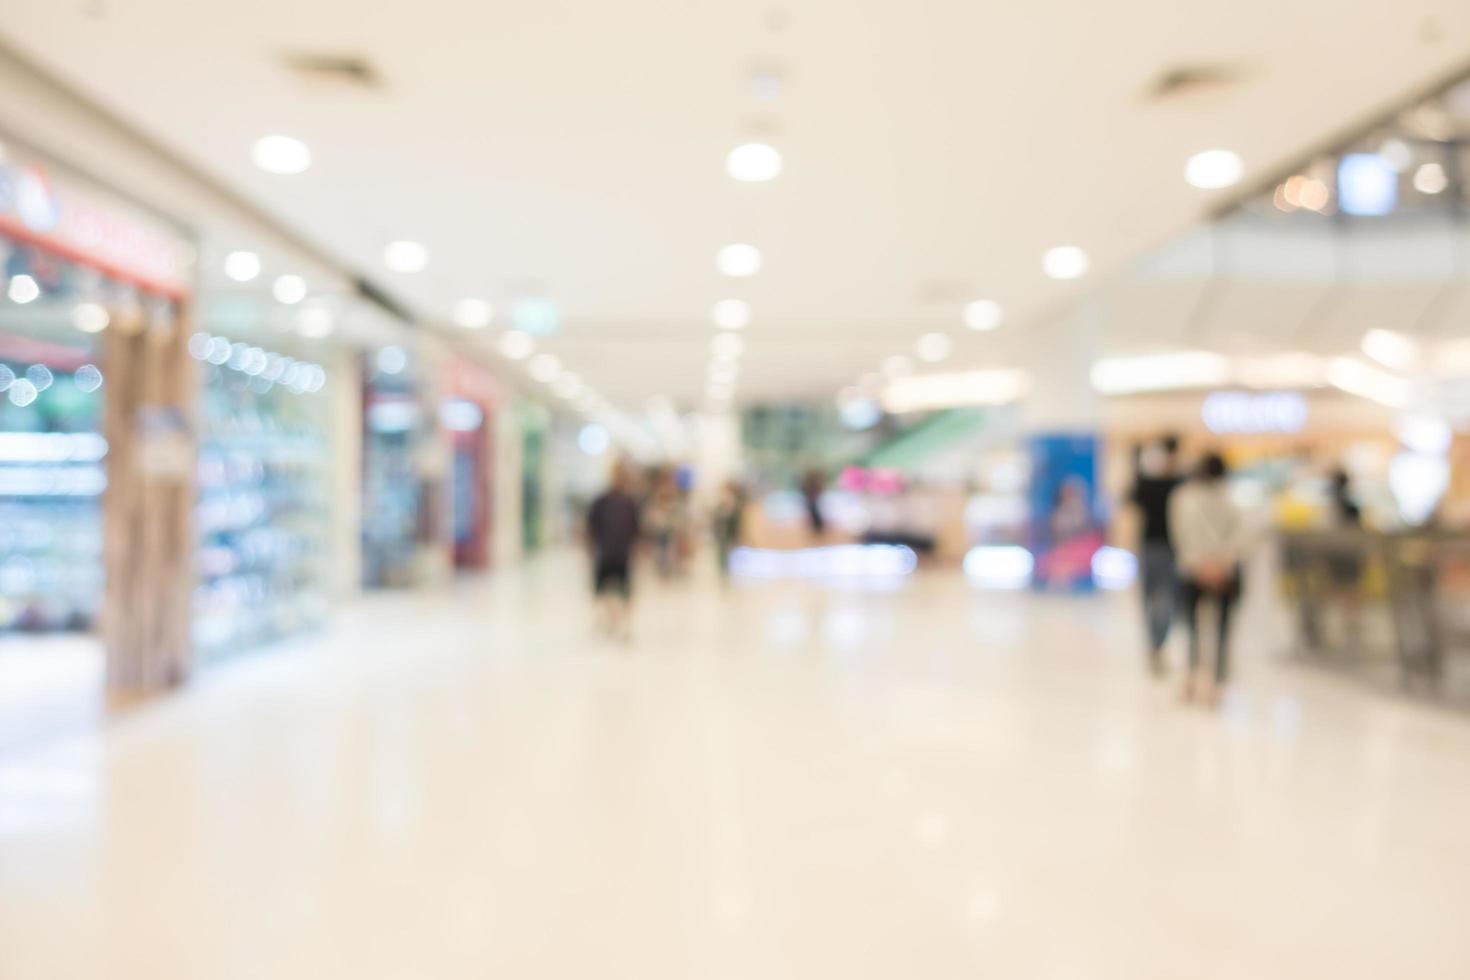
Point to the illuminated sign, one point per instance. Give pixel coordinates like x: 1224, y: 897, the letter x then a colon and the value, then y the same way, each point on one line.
x: 1254, y: 413
x: 82, y: 225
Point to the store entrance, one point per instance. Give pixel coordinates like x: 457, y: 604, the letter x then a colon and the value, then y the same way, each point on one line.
x: 469, y: 487
x: 51, y: 483
x: 53, y: 477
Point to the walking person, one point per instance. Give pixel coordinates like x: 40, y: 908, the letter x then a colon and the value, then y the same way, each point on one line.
x: 1345, y: 561
x: 728, y: 517
x: 612, y: 535
x: 812, y: 487
x: 1156, y: 478
x: 1208, y: 533
x: 664, y: 522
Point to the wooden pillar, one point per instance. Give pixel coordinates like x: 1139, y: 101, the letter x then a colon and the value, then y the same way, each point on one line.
x: 148, y: 509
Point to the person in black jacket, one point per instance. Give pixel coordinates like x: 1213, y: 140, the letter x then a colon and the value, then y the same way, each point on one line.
x: 612, y: 534
x: 1156, y: 478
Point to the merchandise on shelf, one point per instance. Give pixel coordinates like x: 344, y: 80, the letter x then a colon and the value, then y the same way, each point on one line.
x: 52, y: 454
x: 398, y: 502
x: 51, y: 481
x: 263, y: 512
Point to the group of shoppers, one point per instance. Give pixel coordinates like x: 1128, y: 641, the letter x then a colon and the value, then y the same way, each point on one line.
x: 1194, y: 540
x: 658, y: 516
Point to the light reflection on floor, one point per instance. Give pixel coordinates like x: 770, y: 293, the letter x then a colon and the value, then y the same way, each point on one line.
x: 774, y: 779
x: 50, y: 687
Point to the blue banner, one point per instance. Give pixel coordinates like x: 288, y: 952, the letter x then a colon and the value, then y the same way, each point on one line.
x: 1066, y: 528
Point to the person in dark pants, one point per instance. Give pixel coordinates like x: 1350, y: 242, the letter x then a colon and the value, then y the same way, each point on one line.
x: 728, y: 518
x: 1208, y: 532
x: 612, y: 535
x: 812, y: 486
x: 1157, y: 477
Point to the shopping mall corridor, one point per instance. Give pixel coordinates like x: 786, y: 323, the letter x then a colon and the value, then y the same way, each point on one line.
x: 777, y: 780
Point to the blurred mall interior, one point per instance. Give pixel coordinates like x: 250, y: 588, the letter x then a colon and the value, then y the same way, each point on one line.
x: 715, y: 490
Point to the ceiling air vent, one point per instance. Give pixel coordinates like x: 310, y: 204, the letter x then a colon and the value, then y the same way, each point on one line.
x: 324, y: 68
x: 945, y: 292
x: 1179, y: 83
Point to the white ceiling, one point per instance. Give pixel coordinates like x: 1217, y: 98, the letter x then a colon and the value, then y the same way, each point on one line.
x: 1247, y: 286
x: 933, y: 150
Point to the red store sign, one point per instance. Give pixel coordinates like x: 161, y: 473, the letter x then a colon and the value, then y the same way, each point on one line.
x: 86, y: 227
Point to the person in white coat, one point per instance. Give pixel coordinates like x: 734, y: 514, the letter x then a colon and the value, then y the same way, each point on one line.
x: 1208, y: 532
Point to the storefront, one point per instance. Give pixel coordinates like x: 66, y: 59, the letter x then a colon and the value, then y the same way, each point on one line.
x: 1281, y: 445
x: 96, y: 449
x: 262, y: 513
x: 467, y: 414
x: 398, y: 504
x: 52, y: 455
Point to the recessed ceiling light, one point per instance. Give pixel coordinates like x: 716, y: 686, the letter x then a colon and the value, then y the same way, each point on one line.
x: 1430, y: 179
x: 731, y: 314
x: 544, y: 368
x: 406, y: 256
x: 593, y: 439
x: 1065, y: 262
x: 316, y: 321
x: 1213, y: 169
x: 1400, y: 155
x: 473, y: 314
x: 516, y: 345
x: 739, y: 260
x: 23, y: 289
x: 933, y: 347
x: 242, y: 266
x: 727, y: 346
x: 289, y: 289
x: 285, y: 155
x: 567, y: 385
x: 897, y: 366
x: 90, y: 317
x: 753, y: 162
x: 983, y: 314
x: 1391, y: 349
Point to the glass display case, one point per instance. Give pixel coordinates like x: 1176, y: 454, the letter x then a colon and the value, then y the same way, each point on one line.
x: 398, y: 509
x: 262, y: 515
x: 51, y: 484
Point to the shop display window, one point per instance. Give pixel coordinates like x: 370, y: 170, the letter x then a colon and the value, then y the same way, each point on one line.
x: 262, y: 513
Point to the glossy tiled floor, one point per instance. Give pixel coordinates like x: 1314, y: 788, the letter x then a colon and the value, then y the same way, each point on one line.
x: 781, y: 781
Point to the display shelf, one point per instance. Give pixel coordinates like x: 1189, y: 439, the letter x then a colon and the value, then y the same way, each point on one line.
x: 262, y: 513
x: 51, y: 482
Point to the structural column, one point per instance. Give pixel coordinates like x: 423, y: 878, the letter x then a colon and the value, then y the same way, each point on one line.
x: 1062, y: 425
x: 148, y: 509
